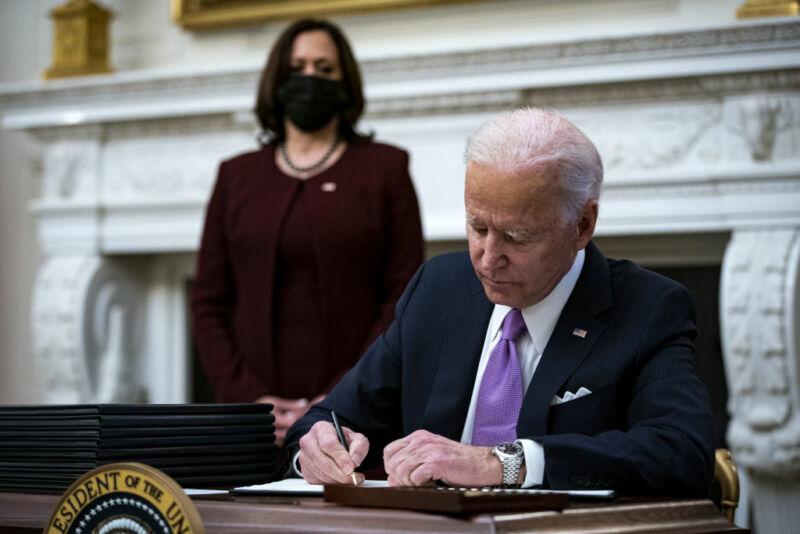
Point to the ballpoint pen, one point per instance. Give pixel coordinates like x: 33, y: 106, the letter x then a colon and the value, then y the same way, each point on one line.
x: 339, y: 433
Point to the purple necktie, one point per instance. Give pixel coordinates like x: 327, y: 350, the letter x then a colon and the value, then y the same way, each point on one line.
x: 500, y: 395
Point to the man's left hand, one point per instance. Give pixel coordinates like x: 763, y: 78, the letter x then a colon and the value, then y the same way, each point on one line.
x: 423, y: 458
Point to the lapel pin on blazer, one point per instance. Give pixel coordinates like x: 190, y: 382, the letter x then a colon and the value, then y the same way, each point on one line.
x: 579, y: 332
x: 328, y: 187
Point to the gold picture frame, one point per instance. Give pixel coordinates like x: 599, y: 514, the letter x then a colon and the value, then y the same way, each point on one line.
x: 214, y: 14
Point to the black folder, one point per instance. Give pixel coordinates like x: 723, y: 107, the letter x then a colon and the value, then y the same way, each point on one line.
x: 46, y: 448
x: 185, y: 441
x: 156, y: 431
x: 48, y: 455
x: 185, y: 409
x: 48, y: 435
x: 128, y: 455
x: 165, y: 462
x: 48, y: 423
x: 136, y: 421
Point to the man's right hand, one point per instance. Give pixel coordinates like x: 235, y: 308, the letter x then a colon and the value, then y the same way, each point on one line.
x: 323, y: 460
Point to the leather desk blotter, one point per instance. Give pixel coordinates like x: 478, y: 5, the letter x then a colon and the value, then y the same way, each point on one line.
x: 446, y: 500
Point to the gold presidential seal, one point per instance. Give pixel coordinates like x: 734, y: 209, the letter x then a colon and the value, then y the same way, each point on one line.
x: 125, y: 498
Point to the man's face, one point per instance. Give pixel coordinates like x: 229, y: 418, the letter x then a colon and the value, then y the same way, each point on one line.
x: 517, y: 243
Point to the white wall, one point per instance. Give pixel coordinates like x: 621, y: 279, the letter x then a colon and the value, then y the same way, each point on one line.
x: 143, y: 38
x: 24, y: 40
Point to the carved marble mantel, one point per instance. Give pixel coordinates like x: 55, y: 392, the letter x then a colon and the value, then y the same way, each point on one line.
x: 699, y: 131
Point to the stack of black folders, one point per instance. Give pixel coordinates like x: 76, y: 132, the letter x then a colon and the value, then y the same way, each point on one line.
x: 46, y: 448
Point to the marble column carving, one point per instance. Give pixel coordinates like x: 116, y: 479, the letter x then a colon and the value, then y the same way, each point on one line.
x: 85, y: 330
x: 760, y: 305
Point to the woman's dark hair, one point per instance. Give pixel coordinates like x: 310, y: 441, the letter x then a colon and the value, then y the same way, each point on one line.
x: 277, y: 71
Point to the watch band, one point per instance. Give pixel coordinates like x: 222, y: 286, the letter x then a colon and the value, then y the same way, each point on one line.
x: 511, y: 472
x: 511, y: 456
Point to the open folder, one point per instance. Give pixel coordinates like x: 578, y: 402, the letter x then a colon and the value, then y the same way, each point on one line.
x: 300, y: 486
x: 444, y: 499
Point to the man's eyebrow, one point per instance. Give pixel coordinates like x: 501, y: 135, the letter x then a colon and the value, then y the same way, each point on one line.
x: 520, y: 235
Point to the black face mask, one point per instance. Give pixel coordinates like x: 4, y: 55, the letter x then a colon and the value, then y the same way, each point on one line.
x: 311, y: 102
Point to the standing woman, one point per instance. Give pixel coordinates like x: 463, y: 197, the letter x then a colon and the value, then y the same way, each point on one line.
x: 308, y: 242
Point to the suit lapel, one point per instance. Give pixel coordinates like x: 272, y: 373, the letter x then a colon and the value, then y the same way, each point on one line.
x: 565, y: 351
x: 464, y: 333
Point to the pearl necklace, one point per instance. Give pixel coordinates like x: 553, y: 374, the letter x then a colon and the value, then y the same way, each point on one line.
x: 316, y: 165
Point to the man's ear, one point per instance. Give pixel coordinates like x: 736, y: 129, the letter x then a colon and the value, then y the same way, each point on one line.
x: 586, y: 223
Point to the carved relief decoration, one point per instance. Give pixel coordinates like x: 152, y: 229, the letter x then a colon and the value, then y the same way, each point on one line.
x: 167, y: 168
x: 186, y: 126
x: 180, y: 87
x: 704, y: 88
x: 84, y: 321
x: 768, y: 125
x: 759, y: 310
x: 589, y: 52
x: 463, y: 102
x: 697, y: 188
x: 656, y: 138
x: 70, y: 170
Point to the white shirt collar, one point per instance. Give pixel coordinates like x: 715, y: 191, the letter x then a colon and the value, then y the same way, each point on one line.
x: 541, y: 318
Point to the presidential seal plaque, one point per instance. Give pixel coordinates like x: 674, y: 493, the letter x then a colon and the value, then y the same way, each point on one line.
x: 125, y: 498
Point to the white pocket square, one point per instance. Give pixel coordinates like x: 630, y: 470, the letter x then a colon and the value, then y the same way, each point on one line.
x: 569, y: 396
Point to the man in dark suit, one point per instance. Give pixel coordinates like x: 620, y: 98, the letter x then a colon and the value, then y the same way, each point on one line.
x: 534, y: 361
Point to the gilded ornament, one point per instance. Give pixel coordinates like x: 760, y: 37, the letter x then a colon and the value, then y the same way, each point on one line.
x: 768, y: 8
x: 80, y: 40
x: 213, y: 14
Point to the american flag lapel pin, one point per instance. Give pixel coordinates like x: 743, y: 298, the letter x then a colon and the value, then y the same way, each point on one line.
x: 580, y: 332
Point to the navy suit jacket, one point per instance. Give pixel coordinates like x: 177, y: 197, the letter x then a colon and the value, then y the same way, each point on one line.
x: 646, y: 428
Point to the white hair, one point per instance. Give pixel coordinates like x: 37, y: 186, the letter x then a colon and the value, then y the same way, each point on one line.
x: 530, y: 138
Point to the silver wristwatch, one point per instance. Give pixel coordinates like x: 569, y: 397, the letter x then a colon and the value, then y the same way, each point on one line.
x: 512, y: 456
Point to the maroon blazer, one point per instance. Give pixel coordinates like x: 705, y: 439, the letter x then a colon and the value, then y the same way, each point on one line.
x: 368, y: 243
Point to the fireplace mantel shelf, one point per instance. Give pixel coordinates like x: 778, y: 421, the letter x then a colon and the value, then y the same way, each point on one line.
x: 160, y: 94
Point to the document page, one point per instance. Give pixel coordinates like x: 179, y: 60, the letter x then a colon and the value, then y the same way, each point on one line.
x: 299, y: 486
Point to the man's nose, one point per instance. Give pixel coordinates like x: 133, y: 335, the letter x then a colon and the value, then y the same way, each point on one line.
x: 494, y: 255
x: 309, y: 69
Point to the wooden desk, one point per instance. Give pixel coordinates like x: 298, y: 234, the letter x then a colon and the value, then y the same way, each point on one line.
x: 243, y: 514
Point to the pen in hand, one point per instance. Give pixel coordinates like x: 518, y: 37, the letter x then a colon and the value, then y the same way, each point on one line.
x: 339, y: 433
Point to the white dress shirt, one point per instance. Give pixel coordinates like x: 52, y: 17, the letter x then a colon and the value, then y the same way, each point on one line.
x: 540, y: 320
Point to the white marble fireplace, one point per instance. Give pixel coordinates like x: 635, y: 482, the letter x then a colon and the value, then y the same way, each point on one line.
x: 699, y: 131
